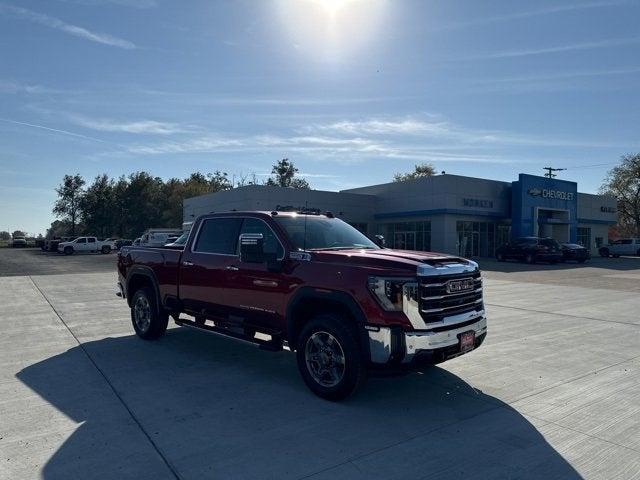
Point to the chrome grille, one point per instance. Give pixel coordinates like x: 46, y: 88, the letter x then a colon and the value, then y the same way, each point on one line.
x: 436, y: 303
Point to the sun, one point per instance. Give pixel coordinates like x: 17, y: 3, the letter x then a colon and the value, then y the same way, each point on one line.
x: 331, y: 30
x: 333, y: 6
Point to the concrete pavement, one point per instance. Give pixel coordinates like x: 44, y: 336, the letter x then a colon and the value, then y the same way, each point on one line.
x: 553, y: 393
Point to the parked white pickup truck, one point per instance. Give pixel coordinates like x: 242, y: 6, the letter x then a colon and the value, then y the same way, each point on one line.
x: 624, y: 246
x: 85, y: 244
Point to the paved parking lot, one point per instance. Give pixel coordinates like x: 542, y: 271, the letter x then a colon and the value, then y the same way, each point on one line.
x: 553, y: 393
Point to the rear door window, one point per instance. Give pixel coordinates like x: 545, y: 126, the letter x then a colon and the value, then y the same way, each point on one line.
x: 218, y: 236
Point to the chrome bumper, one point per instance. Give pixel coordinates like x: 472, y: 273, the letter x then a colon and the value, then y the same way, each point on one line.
x: 380, y: 339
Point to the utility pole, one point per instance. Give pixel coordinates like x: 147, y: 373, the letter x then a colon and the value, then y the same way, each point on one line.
x: 550, y: 171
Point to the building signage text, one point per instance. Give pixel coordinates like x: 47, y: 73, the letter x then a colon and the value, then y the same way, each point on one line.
x: 548, y: 193
x: 477, y: 202
x: 607, y: 209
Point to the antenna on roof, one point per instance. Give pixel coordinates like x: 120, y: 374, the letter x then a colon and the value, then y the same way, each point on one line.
x: 304, y: 247
x: 550, y: 171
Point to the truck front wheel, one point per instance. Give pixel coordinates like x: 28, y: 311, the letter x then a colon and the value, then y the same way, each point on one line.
x: 329, y: 357
x: 68, y: 250
x: 148, y: 321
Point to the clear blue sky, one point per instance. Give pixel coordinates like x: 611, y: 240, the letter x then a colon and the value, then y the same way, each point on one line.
x: 350, y: 90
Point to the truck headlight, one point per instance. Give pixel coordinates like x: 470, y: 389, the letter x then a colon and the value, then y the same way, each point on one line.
x: 388, y: 291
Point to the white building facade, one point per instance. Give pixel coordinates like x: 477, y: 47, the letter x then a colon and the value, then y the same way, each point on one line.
x: 447, y: 213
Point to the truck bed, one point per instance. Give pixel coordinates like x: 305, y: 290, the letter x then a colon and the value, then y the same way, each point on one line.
x: 163, y: 263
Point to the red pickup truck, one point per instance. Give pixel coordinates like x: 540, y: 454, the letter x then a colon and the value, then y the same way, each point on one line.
x: 312, y: 284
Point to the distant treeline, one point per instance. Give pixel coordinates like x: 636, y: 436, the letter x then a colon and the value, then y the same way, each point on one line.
x: 125, y: 207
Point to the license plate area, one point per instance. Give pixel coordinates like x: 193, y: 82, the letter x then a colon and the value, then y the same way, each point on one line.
x: 467, y: 341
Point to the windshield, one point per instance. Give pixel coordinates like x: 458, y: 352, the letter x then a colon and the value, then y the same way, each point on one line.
x: 323, y: 233
x: 181, y: 240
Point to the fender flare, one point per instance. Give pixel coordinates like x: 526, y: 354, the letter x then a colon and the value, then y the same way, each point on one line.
x: 145, y: 272
x: 334, y: 296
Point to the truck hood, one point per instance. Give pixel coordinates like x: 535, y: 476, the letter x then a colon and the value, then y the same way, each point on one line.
x: 386, y: 258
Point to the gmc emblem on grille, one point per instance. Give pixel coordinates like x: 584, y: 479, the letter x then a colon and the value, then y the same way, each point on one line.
x: 457, y: 286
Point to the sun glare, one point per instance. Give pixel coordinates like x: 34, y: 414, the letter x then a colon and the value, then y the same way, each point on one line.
x: 330, y: 30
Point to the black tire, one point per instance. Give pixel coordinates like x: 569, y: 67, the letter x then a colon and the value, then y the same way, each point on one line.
x: 343, y: 381
x: 530, y: 258
x: 615, y: 255
x: 604, y: 252
x: 68, y: 250
x: 106, y: 249
x: 500, y: 257
x: 149, y: 321
x: 582, y: 260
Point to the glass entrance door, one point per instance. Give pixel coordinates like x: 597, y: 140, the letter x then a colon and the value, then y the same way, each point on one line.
x: 404, y: 240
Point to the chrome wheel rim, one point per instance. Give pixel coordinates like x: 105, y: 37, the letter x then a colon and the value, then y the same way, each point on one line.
x: 325, y: 359
x: 142, y: 313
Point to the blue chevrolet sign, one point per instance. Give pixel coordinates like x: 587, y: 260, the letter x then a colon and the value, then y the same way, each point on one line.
x: 538, y: 200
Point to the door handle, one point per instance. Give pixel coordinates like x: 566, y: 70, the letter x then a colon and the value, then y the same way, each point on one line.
x: 187, y: 264
x: 232, y: 268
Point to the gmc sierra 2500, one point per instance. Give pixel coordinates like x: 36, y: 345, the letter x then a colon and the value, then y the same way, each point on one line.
x: 312, y: 284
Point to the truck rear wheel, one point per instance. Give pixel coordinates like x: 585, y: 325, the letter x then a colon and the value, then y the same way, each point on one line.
x: 106, y: 249
x: 149, y: 321
x: 329, y: 357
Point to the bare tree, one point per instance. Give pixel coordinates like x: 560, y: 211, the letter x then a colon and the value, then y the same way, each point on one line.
x: 623, y: 183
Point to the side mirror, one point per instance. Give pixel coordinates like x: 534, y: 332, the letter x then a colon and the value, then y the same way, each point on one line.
x: 379, y: 241
x: 252, y: 248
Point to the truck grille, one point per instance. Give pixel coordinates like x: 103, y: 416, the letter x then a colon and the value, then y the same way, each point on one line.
x: 447, y: 295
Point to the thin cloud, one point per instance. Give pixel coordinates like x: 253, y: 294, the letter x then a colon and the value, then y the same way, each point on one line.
x: 532, y: 13
x: 52, y: 130
x: 68, y: 28
x: 435, y: 129
x: 150, y: 127
x: 612, y: 42
x: 124, y: 3
x: 562, y: 76
x: 330, y: 148
x: 12, y: 88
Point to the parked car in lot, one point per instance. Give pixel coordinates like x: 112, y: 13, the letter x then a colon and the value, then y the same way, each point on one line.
x: 312, y: 284
x: 530, y: 250
x: 157, y: 237
x: 624, y: 246
x: 575, y: 252
x: 122, y: 242
x: 85, y: 244
x: 19, y: 242
x: 51, y: 244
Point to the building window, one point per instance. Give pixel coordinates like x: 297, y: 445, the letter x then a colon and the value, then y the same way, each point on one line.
x: 409, y: 235
x: 584, y: 237
x: 476, y: 239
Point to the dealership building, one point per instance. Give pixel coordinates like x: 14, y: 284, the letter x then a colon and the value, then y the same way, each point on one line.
x: 445, y: 213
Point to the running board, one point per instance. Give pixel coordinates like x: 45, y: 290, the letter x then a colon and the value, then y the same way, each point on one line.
x: 274, y: 345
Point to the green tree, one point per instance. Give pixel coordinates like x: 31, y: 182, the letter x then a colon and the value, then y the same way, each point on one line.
x: 96, y: 206
x: 283, y: 174
x: 4, y: 235
x: 18, y: 233
x: 421, y: 170
x: 69, y: 195
x: 623, y: 183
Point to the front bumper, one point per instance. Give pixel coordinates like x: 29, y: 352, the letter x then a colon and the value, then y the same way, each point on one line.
x: 394, y: 346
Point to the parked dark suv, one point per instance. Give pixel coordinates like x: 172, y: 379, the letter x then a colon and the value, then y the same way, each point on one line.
x: 530, y: 250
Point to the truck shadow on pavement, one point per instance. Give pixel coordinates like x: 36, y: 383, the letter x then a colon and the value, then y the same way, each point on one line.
x: 214, y: 408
